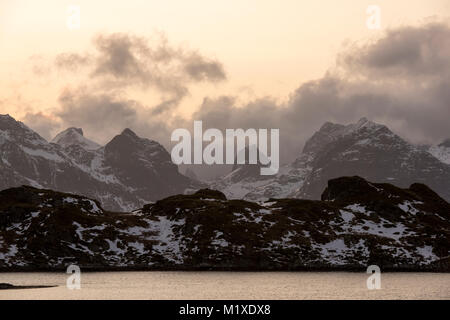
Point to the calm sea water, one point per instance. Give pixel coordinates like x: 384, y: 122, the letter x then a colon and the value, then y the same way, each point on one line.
x: 229, y: 285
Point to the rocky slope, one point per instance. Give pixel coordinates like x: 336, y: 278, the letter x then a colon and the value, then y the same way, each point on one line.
x: 441, y: 151
x: 356, y: 224
x: 365, y: 148
x: 123, y: 175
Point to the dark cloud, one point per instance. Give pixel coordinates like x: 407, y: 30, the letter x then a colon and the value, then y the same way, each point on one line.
x: 122, y: 60
x: 202, y: 69
x: 118, y: 62
x: 102, y: 116
x: 406, y: 51
x: 72, y: 61
x: 123, y: 57
x: 137, y: 60
x: 170, y: 103
x: 400, y: 80
x: 41, y: 123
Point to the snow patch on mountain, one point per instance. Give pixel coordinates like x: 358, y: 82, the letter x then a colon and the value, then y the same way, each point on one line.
x: 441, y: 152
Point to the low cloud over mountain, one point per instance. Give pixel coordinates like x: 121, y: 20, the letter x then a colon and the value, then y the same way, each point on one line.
x: 400, y: 80
x: 119, y: 62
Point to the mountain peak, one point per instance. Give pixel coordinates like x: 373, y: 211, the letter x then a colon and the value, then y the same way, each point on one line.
x: 129, y: 132
x: 6, y: 117
x: 74, y: 136
x: 362, y: 121
x: 331, y: 129
x: 330, y: 132
x: 72, y: 130
x: 7, y: 121
x: 330, y: 126
x: 128, y: 141
x: 18, y: 131
x: 78, y: 130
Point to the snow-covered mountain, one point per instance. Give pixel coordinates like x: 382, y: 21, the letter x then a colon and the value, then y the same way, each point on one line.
x: 365, y: 148
x: 123, y: 175
x: 130, y: 171
x: 442, y: 151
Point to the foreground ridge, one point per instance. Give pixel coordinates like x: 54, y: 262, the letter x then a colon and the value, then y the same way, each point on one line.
x: 356, y: 224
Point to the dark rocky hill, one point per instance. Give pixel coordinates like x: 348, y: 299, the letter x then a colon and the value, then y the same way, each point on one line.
x: 356, y: 224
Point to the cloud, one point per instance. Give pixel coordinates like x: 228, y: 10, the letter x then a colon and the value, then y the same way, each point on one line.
x: 123, y: 57
x: 406, y: 51
x: 202, y: 69
x: 97, y: 95
x: 72, y: 61
x: 40, y: 66
x: 400, y: 80
x: 103, y: 116
x: 44, y: 124
x: 121, y: 60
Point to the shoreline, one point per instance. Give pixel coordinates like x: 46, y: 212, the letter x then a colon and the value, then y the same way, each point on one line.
x: 228, y: 270
x: 8, y: 286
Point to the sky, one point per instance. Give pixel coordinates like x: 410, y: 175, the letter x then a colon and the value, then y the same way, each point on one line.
x: 158, y: 65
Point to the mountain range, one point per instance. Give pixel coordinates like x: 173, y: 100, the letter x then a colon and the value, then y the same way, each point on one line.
x: 365, y: 149
x: 123, y: 175
x: 129, y: 171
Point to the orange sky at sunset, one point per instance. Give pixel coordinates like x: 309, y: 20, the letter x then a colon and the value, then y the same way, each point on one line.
x: 267, y: 48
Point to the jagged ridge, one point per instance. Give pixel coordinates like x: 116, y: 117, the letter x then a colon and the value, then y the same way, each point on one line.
x: 365, y: 148
x: 123, y: 175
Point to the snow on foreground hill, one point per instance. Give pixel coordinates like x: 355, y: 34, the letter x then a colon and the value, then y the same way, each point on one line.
x: 356, y: 224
